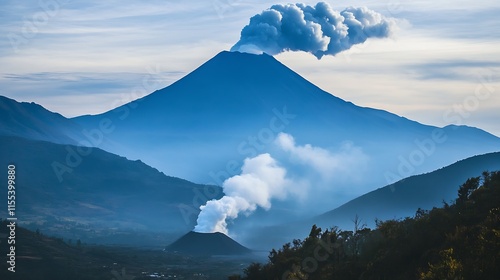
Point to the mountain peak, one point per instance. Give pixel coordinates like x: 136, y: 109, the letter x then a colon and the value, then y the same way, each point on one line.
x: 240, y: 63
x: 211, y: 116
x: 238, y: 83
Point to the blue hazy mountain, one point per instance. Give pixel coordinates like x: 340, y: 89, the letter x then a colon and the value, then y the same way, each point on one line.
x: 231, y: 107
x: 94, y: 195
x: 394, y: 201
x: 32, y: 121
x: 404, y: 197
x: 203, y: 126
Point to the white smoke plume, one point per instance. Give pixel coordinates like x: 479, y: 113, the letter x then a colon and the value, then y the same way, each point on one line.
x: 343, y: 164
x: 318, y: 30
x: 261, y: 180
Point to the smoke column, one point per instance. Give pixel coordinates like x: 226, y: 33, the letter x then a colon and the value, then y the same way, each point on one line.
x: 318, y: 30
x: 261, y: 180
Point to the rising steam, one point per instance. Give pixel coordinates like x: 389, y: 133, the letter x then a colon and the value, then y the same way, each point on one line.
x: 318, y: 30
x: 343, y: 164
x: 261, y: 180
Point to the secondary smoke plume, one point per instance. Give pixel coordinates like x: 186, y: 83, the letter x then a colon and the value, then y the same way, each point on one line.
x: 261, y: 180
x: 318, y: 30
x: 345, y: 163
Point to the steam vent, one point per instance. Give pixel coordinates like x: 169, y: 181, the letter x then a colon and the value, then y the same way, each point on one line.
x: 196, y: 243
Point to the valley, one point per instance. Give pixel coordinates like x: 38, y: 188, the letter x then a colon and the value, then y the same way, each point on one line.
x: 42, y: 257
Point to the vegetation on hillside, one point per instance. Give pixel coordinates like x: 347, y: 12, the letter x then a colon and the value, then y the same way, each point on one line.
x: 458, y: 241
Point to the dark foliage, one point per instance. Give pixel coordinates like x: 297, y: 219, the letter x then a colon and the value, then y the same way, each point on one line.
x: 458, y: 241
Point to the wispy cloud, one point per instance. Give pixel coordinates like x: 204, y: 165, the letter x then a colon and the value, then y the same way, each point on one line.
x: 98, y: 91
x: 456, y: 70
x: 462, y: 23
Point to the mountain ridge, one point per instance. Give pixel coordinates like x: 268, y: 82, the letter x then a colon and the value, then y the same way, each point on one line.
x: 465, y: 168
x: 33, y: 121
x: 393, y: 201
x: 98, y: 190
x: 232, y: 107
x: 233, y: 96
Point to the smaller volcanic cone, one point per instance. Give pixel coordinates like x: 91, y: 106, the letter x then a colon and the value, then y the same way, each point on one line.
x: 195, y: 243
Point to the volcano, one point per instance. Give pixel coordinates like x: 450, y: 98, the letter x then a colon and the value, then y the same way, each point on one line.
x: 234, y: 105
x: 196, y: 243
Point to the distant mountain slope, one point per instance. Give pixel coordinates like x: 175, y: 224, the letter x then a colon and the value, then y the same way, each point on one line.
x: 394, y: 201
x: 233, y: 105
x: 217, y: 243
x: 402, y: 198
x: 32, y: 121
x: 65, y: 189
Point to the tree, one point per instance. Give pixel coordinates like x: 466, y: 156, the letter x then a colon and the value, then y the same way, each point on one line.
x: 459, y: 241
x: 448, y: 267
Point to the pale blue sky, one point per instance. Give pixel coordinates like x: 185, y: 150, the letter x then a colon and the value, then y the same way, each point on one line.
x: 80, y: 57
